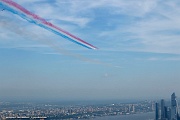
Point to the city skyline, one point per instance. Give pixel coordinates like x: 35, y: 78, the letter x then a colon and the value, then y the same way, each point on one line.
x: 167, y: 112
x: 138, y: 51
x: 58, y: 111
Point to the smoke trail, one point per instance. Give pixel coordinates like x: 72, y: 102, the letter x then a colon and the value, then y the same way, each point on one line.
x: 80, y: 57
x: 23, y: 32
x: 26, y: 34
x: 25, y: 14
x: 50, y: 43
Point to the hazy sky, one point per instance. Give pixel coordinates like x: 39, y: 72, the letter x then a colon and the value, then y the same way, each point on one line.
x: 138, y: 55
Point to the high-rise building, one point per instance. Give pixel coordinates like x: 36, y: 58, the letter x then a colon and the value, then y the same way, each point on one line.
x: 129, y: 108
x: 162, y: 109
x: 152, y: 106
x: 169, y: 113
x: 174, y: 107
x: 166, y: 111
x: 157, y: 111
x: 133, y: 108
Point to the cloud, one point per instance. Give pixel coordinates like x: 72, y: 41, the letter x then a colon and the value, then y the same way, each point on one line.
x: 134, y: 25
x: 54, y: 11
x: 22, y: 35
x: 156, y: 30
x: 130, y: 7
x: 164, y: 58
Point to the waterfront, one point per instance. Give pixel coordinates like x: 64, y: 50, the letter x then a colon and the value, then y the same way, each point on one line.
x: 97, y: 112
x: 140, y: 116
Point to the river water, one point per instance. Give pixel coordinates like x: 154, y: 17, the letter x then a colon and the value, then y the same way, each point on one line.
x: 140, y: 116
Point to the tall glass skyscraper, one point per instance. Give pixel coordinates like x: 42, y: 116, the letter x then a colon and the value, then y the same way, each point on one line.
x: 165, y: 112
x: 174, y: 107
x: 162, y: 109
x: 157, y: 111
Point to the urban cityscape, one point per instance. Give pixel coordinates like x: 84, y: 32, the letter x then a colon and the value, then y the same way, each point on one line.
x: 55, y: 111
x: 164, y: 112
x: 89, y: 59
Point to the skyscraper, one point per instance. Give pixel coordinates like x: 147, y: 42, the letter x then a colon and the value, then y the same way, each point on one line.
x: 157, y: 111
x: 162, y: 109
x: 133, y: 108
x: 174, y: 107
x: 169, y: 113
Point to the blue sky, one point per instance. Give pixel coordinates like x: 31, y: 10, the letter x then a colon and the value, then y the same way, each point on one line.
x: 138, y: 55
